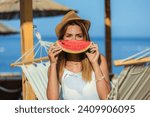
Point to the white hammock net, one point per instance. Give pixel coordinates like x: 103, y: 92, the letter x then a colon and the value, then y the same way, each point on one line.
x: 36, y: 72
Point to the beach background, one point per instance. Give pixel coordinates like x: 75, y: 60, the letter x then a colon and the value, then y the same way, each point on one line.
x: 121, y: 48
x: 130, y: 29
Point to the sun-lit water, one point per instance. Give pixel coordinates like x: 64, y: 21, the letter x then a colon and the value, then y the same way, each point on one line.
x: 10, y: 49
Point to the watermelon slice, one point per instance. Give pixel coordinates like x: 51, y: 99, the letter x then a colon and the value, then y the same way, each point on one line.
x: 74, y: 46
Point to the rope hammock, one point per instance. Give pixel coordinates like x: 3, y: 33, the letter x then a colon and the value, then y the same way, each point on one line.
x: 132, y: 83
x: 36, y: 70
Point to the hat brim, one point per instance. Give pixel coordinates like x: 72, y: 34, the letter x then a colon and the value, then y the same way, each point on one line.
x: 59, y: 27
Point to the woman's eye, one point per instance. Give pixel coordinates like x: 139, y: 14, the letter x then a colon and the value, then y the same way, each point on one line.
x: 80, y: 36
x: 68, y: 36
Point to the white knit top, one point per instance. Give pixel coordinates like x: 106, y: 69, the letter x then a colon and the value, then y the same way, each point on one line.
x: 74, y: 88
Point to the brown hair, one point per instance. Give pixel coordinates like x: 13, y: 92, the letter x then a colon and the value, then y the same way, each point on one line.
x: 86, y: 66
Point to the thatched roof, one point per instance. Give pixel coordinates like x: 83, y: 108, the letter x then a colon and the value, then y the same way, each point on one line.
x: 10, y: 9
x: 4, y: 30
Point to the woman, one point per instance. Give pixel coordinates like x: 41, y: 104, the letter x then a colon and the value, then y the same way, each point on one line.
x: 76, y: 76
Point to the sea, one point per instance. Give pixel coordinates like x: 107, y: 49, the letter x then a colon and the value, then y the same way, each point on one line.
x: 122, y: 47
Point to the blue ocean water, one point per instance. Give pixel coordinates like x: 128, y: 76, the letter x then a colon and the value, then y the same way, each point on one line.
x: 10, y: 49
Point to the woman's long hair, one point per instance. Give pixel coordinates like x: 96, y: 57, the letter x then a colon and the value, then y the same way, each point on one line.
x: 86, y: 66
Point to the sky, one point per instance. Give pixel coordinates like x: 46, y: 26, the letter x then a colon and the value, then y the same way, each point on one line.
x: 129, y: 18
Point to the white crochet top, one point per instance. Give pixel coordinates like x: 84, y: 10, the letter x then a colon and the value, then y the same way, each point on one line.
x: 74, y: 88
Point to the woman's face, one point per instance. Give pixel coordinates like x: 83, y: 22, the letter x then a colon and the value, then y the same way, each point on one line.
x: 73, y: 32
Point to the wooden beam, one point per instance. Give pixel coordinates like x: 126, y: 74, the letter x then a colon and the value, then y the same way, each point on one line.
x: 26, y: 30
x: 29, y: 61
x: 108, y: 34
x: 131, y: 62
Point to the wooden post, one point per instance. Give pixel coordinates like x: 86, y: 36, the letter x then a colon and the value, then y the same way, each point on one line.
x: 26, y: 42
x: 108, y: 34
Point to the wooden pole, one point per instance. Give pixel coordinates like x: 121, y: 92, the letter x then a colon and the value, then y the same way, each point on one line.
x: 131, y: 62
x: 30, y: 61
x: 26, y: 30
x: 108, y: 34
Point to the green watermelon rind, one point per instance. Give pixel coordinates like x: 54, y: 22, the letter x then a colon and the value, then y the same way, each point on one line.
x: 74, y: 51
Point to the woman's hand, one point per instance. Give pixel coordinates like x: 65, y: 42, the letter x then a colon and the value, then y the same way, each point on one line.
x: 53, y: 52
x: 93, y: 54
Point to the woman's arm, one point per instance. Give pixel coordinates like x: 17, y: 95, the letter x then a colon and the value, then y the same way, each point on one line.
x: 53, y: 83
x: 102, y: 78
x: 100, y: 70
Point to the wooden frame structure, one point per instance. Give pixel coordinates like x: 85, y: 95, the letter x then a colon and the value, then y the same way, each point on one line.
x: 131, y: 62
x: 30, y: 61
x: 26, y: 30
x: 108, y: 49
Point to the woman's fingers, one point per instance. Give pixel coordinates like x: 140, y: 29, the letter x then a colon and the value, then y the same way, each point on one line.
x: 54, y: 48
x: 57, y: 52
x: 53, y: 53
x: 93, y: 53
x: 93, y: 48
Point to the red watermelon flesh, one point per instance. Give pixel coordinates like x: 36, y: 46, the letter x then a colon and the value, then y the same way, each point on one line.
x: 74, y: 46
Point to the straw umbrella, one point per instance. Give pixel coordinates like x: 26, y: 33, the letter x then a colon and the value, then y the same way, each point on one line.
x: 10, y: 9
x: 26, y: 10
x: 4, y: 30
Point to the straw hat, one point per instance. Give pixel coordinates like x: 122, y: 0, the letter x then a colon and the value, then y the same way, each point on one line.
x: 70, y: 16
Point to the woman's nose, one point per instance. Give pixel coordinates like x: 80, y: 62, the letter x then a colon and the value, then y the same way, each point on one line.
x: 74, y: 38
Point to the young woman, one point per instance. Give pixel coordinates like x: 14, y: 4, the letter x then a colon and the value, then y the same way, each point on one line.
x: 76, y: 76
